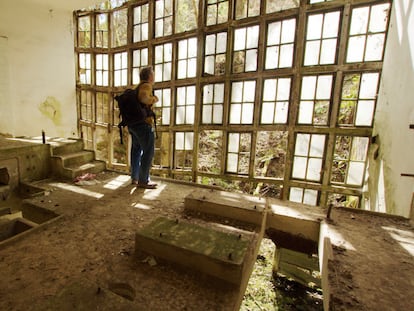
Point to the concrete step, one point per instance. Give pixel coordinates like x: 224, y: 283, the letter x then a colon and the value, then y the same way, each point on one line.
x: 225, y: 254
x: 75, y: 170
x: 67, y: 146
x: 77, y: 158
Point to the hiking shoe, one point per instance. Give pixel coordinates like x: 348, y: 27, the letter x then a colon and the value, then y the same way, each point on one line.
x: 146, y: 185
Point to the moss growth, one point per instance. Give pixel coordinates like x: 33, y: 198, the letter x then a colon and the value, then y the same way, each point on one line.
x: 267, y: 291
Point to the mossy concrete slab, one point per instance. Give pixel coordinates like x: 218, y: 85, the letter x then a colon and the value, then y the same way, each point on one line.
x: 221, y: 254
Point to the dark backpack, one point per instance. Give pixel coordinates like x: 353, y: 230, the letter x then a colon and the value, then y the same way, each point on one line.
x: 131, y: 111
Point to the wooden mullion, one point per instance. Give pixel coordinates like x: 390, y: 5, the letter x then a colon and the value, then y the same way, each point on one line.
x: 295, y: 96
x: 198, y: 100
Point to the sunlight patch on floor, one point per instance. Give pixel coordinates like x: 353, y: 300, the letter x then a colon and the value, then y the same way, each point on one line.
x: 151, y: 194
x: 77, y: 189
x: 141, y: 206
x: 338, y: 239
x: 117, y: 182
x: 403, y: 237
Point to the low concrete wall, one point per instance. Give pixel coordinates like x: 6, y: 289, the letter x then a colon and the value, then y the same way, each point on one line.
x: 26, y: 163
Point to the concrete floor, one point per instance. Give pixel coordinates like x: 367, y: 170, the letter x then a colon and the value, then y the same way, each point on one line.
x: 370, y: 267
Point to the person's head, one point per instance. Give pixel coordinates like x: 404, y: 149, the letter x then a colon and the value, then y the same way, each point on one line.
x: 147, y: 74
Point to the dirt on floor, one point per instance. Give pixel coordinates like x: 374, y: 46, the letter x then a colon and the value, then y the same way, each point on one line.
x: 89, y: 253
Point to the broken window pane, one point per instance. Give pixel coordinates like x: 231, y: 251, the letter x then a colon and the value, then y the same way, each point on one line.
x: 215, y: 53
x: 163, y: 106
x: 270, y: 156
x: 349, y: 160
x: 87, y: 137
x: 101, y: 31
x: 86, y: 108
x: 84, y: 31
x: 119, y: 152
x: 209, y: 151
x: 238, y: 153
x: 217, y: 12
x: 359, y: 92
x: 162, y: 150
x: 184, y: 150
x: 277, y: 5
x: 102, y: 144
x: 343, y: 200
x: 119, y: 27
x: 315, y: 100
x: 84, y: 70
x: 102, y: 107
x: 246, y: 41
x: 186, y: 15
x: 247, y: 8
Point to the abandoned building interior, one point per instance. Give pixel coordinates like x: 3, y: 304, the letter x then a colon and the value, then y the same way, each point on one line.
x: 284, y: 134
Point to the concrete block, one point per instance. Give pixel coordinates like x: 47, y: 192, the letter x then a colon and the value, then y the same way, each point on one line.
x: 295, y: 219
x: 237, y: 206
x: 224, y: 255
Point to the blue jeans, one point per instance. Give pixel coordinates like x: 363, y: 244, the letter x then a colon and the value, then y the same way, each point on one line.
x: 142, y: 151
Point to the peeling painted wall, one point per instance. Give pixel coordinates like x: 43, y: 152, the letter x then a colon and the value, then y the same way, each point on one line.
x: 6, y: 116
x: 37, y: 51
x: 395, y: 112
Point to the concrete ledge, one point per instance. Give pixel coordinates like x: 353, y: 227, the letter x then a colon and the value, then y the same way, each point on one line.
x: 223, y: 255
x: 237, y: 206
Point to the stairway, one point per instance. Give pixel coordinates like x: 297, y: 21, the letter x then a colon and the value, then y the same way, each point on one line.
x: 70, y: 160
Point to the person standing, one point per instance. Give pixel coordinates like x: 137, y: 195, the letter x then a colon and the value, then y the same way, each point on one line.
x: 143, y: 140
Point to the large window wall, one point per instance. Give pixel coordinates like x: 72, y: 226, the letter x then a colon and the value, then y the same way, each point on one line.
x: 275, y: 98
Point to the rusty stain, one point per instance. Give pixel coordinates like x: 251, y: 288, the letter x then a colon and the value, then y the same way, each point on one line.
x: 51, y: 109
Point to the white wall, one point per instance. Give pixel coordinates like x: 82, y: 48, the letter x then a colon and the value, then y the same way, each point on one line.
x: 37, y: 70
x: 6, y: 115
x: 395, y: 111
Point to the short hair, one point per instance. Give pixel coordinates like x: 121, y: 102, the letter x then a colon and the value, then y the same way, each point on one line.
x: 145, y: 73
